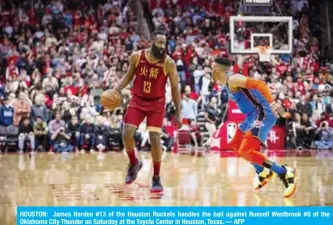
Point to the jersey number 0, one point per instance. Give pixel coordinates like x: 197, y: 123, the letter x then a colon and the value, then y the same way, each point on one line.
x: 146, y: 86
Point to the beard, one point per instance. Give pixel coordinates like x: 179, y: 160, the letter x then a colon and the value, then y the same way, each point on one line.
x: 158, y: 53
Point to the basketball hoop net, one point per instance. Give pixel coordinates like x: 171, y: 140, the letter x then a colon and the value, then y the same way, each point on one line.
x: 264, y: 53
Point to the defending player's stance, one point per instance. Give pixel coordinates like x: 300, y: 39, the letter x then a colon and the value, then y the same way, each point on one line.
x: 255, y: 101
x: 151, y: 67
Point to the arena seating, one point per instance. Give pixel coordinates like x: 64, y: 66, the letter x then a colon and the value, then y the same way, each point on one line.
x: 57, y: 57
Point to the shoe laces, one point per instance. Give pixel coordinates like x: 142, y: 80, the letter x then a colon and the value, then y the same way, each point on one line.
x: 261, y: 178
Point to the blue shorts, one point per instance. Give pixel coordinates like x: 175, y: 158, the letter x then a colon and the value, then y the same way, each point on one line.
x: 259, y: 123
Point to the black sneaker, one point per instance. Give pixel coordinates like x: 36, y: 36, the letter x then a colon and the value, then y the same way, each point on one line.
x: 156, y: 185
x: 132, y: 172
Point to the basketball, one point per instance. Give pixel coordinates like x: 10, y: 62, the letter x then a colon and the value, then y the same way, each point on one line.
x: 111, y: 99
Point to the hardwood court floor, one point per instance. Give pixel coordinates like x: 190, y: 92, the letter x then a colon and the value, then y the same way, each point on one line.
x: 98, y: 179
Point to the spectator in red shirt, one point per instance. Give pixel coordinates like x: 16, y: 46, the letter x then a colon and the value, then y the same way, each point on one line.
x: 107, y: 34
x: 324, y: 117
x: 286, y: 102
x: 191, y: 94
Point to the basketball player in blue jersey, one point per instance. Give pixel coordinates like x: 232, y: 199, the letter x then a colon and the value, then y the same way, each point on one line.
x: 256, y: 102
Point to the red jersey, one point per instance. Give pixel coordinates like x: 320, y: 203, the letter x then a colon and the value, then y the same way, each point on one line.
x: 150, y: 79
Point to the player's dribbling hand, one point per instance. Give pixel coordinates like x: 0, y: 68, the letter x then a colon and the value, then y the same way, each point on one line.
x: 179, y: 121
x: 277, y: 109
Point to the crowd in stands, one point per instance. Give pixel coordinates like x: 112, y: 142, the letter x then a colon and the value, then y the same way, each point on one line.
x: 57, y: 57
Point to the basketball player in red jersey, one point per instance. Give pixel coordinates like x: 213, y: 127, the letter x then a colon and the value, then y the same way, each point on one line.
x: 152, y: 68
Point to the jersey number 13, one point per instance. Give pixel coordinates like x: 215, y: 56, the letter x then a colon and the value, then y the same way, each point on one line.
x: 146, y: 86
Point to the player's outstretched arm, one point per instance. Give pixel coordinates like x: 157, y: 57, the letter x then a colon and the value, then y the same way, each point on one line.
x: 174, y: 81
x: 125, y: 80
x: 240, y: 81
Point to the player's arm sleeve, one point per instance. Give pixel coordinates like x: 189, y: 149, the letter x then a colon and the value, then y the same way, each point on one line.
x: 239, y: 81
x: 125, y: 80
x: 174, y: 82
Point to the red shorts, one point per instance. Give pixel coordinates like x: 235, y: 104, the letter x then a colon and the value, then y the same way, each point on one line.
x: 138, y: 109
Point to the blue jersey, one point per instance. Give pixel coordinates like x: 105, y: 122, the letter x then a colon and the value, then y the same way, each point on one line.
x: 249, y: 101
x: 259, y: 116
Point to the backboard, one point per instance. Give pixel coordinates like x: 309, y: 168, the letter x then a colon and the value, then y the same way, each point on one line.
x: 257, y: 7
x: 249, y: 32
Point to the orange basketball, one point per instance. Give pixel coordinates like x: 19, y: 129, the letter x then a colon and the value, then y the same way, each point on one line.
x: 111, y: 99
